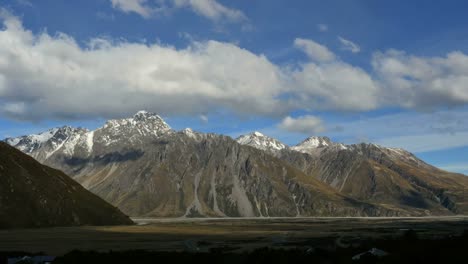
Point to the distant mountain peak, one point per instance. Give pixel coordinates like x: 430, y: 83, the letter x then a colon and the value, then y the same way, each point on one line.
x: 315, y: 142
x: 66, y: 139
x: 258, y: 134
x: 260, y: 141
x: 30, y: 143
x: 189, y: 132
x: 145, y: 115
x: 144, y: 121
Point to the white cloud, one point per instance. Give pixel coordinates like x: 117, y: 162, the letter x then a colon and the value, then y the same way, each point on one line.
x: 314, y: 50
x: 422, y: 82
x: 335, y: 86
x: 329, y: 83
x: 349, y: 45
x: 306, y: 124
x: 210, y: 9
x: 204, y: 118
x: 53, y: 77
x: 137, y: 6
x: 322, y: 27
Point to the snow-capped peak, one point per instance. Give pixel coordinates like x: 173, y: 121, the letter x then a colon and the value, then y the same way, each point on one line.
x: 29, y: 143
x: 258, y: 134
x: 189, y: 132
x: 141, y: 112
x: 312, y: 143
x: 315, y: 142
x: 260, y: 141
x: 52, y: 138
x: 144, y: 122
x: 145, y: 115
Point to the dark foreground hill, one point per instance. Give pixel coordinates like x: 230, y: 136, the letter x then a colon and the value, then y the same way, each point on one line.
x: 34, y: 195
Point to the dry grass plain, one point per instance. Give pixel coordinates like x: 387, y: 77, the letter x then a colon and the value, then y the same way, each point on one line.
x: 202, y: 235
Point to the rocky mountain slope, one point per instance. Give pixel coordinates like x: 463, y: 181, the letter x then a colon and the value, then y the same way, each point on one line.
x: 379, y: 175
x: 34, y: 195
x: 145, y: 168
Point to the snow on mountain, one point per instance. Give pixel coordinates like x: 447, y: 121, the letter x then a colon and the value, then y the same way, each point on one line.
x: 90, y: 141
x: 29, y: 143
x: 260, y: 141
x: 47, y: 143
x: 142, y: 123
x: 68, y: 139
x: 190, y: 133
x: 313, y: 143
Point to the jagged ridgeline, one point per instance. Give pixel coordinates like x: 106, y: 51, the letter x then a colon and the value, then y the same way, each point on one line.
x: 145, y: 168
x: 34, y: 195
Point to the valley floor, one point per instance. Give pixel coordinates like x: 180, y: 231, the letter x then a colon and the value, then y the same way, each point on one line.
x: 232, y: 234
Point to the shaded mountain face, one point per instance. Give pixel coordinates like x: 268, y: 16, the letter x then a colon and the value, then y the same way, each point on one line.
x: 379, y: 175
x: 34, y: 195
x: 145, y: 168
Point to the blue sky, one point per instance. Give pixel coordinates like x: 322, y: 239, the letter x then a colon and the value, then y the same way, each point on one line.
x: 390, y: 72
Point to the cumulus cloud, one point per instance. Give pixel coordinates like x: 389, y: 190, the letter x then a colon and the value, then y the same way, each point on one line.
x: 44, y: 76
x: 329, y: 83
x: 422, y: 82
x: 52, y: 76
x: 314, y: 50
x: 210, y: 9
x: 306, y: 124
x: 336, y: 86
x: 349, y: 45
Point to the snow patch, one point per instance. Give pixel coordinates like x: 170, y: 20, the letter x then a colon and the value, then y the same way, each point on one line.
x: 70, y: 144
x: 44, y: 137
x: 13, y: 141
x: 260, y: 141
x: 189, y: 132
x: 90, y: 141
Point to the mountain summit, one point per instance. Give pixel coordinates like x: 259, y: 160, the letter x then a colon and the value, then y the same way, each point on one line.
x: 310, y: 144
x: 260, y: 141
x: 142, y: 123
x: 68, y: 140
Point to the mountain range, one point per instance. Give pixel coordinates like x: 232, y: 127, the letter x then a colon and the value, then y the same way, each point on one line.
x: 145, y: 168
